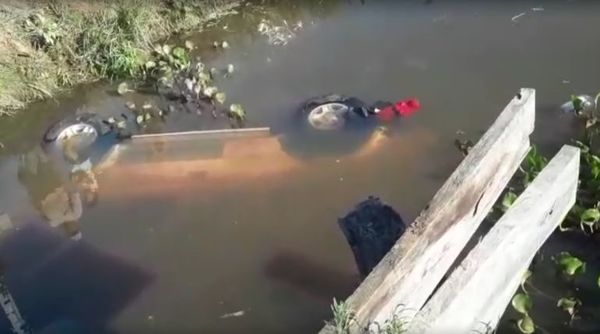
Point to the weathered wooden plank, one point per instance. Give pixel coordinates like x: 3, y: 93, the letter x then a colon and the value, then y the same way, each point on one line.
x: 409, y: 273
x: 478, y: 290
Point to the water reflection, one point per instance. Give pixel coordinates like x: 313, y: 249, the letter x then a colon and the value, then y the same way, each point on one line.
x: 59, y: 191
x: 306, y: 275
x: 43, y: 270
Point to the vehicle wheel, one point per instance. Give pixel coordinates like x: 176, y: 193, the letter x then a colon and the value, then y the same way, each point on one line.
x: 333, y: 112
x: 328, y: 125
x: 73, y: 137
x: 73, y: 124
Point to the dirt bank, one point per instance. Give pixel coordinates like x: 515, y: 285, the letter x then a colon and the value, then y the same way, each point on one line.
x: 49, y: 46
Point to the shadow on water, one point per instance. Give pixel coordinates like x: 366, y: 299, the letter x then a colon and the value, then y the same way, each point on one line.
x: 308, y: 276
x: 61, y: 283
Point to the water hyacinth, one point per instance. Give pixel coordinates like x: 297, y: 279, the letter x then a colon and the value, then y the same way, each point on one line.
x: 210, y: 91
x: 220, y: 97
x: 237, y: 111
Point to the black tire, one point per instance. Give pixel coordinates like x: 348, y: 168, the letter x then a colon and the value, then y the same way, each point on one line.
x: 52, y: 133
x: 49, y: 144
x: 304, y: 141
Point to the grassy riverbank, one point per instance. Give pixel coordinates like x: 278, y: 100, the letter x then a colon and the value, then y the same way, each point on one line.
x: 49, y: 46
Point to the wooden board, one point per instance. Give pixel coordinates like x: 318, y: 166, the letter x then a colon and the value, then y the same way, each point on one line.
x: 409, y: 273
x: 478, y: 291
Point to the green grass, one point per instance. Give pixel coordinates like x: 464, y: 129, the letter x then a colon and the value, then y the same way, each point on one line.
x: 343, y: 317
x: 46, y: 47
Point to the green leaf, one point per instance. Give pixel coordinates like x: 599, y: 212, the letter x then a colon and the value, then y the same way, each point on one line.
x: 595, y: 171
x: 526, y: 325
x: 568, y: 304
x: 522, y: 303
x: 570, y: 265
x: 526, y: 276
x: 204, y: 78
x: 508, y: 200
x: 210, y: 91
x: 220, y: 97
x: 577, y: 103
x: 150, y: 65
x: 237, y: 111
x: 590, y: 216
x: 180, y: 53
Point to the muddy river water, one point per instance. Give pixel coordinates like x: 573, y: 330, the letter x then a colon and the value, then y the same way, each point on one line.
x: 257, y: 248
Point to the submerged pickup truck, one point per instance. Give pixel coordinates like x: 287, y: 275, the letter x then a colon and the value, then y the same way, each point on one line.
x: 92, y: 159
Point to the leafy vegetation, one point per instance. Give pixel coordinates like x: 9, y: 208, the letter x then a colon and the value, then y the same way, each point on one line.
x: 344, y: 319
x: 583, y: 219
x: 53, y: 45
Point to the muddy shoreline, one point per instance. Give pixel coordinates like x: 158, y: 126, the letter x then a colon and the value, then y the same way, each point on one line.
x: 50, y: 47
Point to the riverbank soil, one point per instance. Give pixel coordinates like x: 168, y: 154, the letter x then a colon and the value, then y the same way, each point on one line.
x: 48, y: 46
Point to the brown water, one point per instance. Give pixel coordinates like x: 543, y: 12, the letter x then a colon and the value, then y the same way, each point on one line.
x: 267, y: 245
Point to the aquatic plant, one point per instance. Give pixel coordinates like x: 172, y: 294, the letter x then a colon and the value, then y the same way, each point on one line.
x: 583, y: 219
x: 53, y: 45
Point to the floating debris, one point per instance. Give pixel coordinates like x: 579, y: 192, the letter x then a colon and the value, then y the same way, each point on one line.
x: 233, y: 315
x: 298, y: 26
x: 213, y: 73
x: 230, y: 69
x: 223, y: 44
x: 123, y: 88
x: 516, y: 17
x: 130, y: 105
x: 537, y: 9
x: 189, y: 45
x: 277, y: 35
